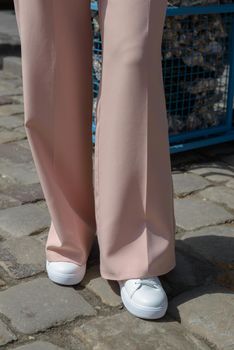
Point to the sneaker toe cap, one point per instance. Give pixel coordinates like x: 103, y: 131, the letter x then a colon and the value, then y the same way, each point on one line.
x: 150, y: 297
x: 64, y: 267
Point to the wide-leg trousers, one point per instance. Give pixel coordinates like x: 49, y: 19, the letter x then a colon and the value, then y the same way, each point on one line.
x: 128, y: 203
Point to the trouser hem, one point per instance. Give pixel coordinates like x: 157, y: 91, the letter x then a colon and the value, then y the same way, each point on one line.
x: 136, y: 274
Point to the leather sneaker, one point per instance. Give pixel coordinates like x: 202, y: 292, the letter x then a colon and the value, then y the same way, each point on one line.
x: 66, y: 273
x: 144, y: 297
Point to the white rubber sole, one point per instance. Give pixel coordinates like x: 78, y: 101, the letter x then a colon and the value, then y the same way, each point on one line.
x: 65, y: 278
x: 145, y: 312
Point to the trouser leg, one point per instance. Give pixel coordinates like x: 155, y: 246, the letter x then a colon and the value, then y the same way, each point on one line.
x: 56, y: 46
x: 134, y: 189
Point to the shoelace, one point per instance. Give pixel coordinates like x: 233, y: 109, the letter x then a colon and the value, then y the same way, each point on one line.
x: 151, y: 282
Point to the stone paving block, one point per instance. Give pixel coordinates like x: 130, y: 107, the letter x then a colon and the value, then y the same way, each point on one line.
x: 207, y: 312
x: 11, y: 87
x: 11, y: 109
x: 6, y: 335
x: 39, y: 345
x: 5, y: 75
x: 219, y: 178
x: 213, y: 171
x: 226, y: 279
x: 188, y: 272
x: 18, y: 99
x: 13, y: 64
x: 185, y: 183
x: 23, y: 220
x: 229, y: 159
x: 11, y: 122
x: 42, y: 236
x: 8, y: 26
x: 230, y: 183
x: 125, y: 331
x: 39, y: 304
x: 6, y: 182
x: 21, y: 130
x: 2, y: 283
x: 214, y: 243
x: 194, y: 213
x: 14, y: 152
x: 10, y: 135
x: 24, y: 193
x: 11, y: 91
x: 7, y: 201
x: 108, y: 292
x: 22, y: 257
x: 6, y: 41
x: 42, y: 204
x: 24, y: 173
x: 24, y: 143
x: 4, y: 100
x: 219, y: 194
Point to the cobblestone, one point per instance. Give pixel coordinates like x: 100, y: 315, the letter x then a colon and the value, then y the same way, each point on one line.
x: 8, y: 26
x: 219, y: 194
x: 39, y: 345
x: 23, y: 220
x: 124, y: 331
x: 189, y: 272
x: 185, y: 183
x: 194, y: 213
x: 207, y: 312
x: 214, y: 243
x: 229, y: 159
x: 7, y: 201
x: 13, y: 65
x: 22, y: 173
x: 2, y: 283
x: 39, y: 304
x: 15, y: 152
x: 11, y: 122
x: 24, y: 143
x: 230, y: 183
x: 24, y: 193
x: 213, y: 171
x: 6, y: 335
x: 11, y: 109
x: 4, y: 100
x: 226, y: 279
x: 10, y: 135
x: 107, y: 291
x: 22, y: 257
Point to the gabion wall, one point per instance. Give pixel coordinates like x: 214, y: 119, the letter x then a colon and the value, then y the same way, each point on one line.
x: 195, y: 65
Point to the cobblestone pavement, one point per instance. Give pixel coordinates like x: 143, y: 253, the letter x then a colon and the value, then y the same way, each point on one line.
x: 37, y: 314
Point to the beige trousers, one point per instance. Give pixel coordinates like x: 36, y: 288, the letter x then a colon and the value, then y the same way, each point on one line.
x: 129, y: 205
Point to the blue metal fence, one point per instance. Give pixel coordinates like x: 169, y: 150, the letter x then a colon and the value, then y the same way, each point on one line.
x: 198, y: 72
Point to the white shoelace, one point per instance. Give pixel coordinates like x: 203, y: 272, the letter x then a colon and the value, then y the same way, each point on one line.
x: 151, y: 282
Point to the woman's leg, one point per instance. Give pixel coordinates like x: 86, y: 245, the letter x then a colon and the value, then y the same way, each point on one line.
x: 134, y: 189
x: 56, y: 46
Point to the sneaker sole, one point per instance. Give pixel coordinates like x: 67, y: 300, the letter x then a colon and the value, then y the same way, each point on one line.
x: 64, y: 279
x: 144, y: 312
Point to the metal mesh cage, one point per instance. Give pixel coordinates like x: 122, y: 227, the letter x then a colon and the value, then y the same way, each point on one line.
x: 197, y: 63
x: 196, y: 70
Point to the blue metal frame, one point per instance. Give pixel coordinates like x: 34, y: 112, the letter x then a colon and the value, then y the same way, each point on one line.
x: 213, y: 135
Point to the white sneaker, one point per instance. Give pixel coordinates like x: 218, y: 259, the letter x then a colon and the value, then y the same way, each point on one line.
x: 144, y: 297
x: 64, y: 272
